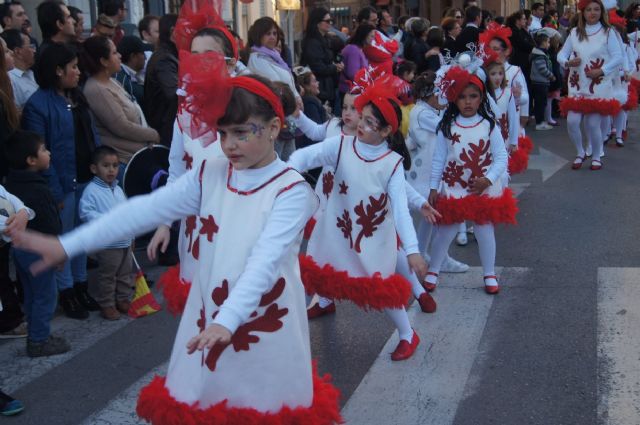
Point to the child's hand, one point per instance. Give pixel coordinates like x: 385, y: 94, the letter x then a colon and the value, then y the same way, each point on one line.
x: 574, y: 62
x: 517, y: 91
x: 161, y: 239
x: 430, y: 213
x: 478, y: 185
x: 595, y: 73
x: 433, y: 196
x: 418, y: 266
x: 17, y: 222
x: 214, y: 334
x: 47, y: 246
x: 512, y: 148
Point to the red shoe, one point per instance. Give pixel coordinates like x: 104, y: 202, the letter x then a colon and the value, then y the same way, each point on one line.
x: 491, y: 289
x: 595, y: 165
x: 427, y: 303
x: 429, y: 287
x: 577, y: 165
x: 405, y: 349
x: 317, y: 311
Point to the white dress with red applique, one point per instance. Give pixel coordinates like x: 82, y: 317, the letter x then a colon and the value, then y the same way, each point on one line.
x: 185, y: 154
x: 248, y: 280
x: 515, y: 78
x: 473, y: 151
x: 508, y: 119
x: 351, y: 253
x: 598, y: 50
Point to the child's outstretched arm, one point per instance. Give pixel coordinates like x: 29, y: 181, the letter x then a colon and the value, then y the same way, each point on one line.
x: 318, y: 155
x: 310, y: 128
x: 514, y: 124
x: 291, y: 211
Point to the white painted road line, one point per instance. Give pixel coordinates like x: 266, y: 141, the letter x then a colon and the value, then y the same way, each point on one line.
x: 428, y: 388
x: 547, y: 162
x: 619, y: 346
x: 122, y: 409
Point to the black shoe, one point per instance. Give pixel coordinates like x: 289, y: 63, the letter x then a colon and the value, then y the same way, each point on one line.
x: 83, y: 297
x: 72, y: 308
x: 49, y: 347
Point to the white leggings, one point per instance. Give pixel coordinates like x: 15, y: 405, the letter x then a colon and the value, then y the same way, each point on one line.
x: 444, y: 235
x: 592, y: 126
x: 620, y: 123
x: 402, y: 268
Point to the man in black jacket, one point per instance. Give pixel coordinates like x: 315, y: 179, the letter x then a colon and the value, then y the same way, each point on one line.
x: 161, y: 82
x: 471, y: 31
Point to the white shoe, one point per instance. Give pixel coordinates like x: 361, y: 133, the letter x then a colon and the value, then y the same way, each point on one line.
x: 461, y: 239
x: 544, y: 126
x: 453, y: 266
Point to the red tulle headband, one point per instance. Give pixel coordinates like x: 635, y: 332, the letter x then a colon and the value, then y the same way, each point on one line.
x: 616, y: 20
x: 384, y: 100
x: 490, y: 56
x: 456, y: 80
x: 582, y: 4
x: 496, y: 31
x: 259, y: 89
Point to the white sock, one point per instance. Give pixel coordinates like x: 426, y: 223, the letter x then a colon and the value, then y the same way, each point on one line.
x: 548, y: 112
x: 593, y: 128
x: 619, y: 122
x: 487, y: 248
x: 442, y: 238
x: 424, y: 233
x: 324, y: 302
x: 401, y: 320
x: 574, y: 120
x: 463, y: 227
x: 402, y: 267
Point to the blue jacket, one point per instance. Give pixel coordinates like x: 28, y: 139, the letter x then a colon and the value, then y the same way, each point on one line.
x: 49, y: 114
x: 98, y: 199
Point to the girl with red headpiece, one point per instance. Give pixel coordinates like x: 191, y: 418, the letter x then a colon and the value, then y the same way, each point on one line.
x: 467, y: 177
x: 592, y: 56
x: 242, y: 352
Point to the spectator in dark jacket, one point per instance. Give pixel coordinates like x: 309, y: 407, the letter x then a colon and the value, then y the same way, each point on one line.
x: 161, y: 82
x: 132, y: 50
x: 317, y: 54
x: 541, y: 78
x: 521, y: 41
x: 452, y: 30
x: 419, y: 48
x: 471, y: 30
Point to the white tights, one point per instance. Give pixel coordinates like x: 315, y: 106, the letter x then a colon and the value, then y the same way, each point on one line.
x: 444, y: 235
x: 402, y: 268
x: 593, y: 128
x: 401, y: 320
x: 620, y: 123
x: 548, y: 117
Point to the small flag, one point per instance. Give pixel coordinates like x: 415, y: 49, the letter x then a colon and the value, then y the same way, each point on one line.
x: 144, y: 303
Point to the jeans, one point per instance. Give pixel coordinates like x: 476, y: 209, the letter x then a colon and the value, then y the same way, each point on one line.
x: 75, y: 270
x: 39, y: 295
x: 540, y: 93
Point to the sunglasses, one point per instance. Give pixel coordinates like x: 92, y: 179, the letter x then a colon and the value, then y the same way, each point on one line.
x: 328, y: 21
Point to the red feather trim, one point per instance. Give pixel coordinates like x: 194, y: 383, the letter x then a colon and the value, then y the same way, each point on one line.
x: 632, y: 98
x: 157, y: 406
x: 585, y: 105
x: 308, y: 229
x: 174, y: 290
x: 480, y: 209
x: 495, y: 31
x: 519, y: 159
x: 374, y: 292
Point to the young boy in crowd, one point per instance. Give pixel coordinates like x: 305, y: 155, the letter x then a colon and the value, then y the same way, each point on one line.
x: 114, y: 286
x: 27, y: 157
x: 541, y: 78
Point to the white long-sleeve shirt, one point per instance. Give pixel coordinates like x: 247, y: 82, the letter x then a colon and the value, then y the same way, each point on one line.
x: 312, y: 129
x: 326, y: 154
x: 498, y: 153
x: 520, y: 81
x: 615, y: 53
x: 291, y: 211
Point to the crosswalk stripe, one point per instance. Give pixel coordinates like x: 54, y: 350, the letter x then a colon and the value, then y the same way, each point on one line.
x: 122, y: 409
x: 618, y: 346
x: 427, y: 388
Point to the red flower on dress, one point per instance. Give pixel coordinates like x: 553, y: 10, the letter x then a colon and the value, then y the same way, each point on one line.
x: 455, y: 138
x: 188, y: 160
x: 189, y: 226
x: 370, y: 217
x: 453, y: 174
x: 343, y: 188
x: 477, y: 158
x: 209, y: 227
x: 574, y: 80
x: 594, y: 64
x: 327, y: 183
x: 344, y: 223
x: 504, y: 126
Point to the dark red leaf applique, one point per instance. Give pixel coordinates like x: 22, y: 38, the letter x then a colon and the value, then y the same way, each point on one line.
x: 189, y: 226
x: 370, y: 217
x: 269, y: 321
x: 201, y: 323
x: 594, y: 64
x: 195, y: 251
x: 209, y: 227
x: 504, y: 126
x: 455, y: 138
x: 344, y: 223
x: 574, y: 80
x: 188, y: 160
x: 453, y: 174
x: 343, y: 188
x: 327, y: 183
x: 477, y: 158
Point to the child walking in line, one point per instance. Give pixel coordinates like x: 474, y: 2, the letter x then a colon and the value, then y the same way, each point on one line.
x: 114, y: 287
x: 541, y: 78
x: 27, y: 157
x: 508, y: 118
x: 348, y: 252
x: 242, y: 351
x: 467, y: 180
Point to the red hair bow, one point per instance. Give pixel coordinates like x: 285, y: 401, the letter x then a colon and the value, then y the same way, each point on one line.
x: 383, y: 96
x: 455, y: 81
x: 494, y: 30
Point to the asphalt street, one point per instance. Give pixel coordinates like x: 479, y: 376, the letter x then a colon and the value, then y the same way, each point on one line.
x: 543, y: 351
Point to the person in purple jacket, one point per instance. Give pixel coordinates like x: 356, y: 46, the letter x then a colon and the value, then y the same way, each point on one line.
x: 353, y: 57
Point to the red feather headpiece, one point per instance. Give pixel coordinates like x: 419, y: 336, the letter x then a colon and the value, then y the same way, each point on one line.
x: 582, y: 4
x: 383, y: 96
x: 490, y: 56
x: 196, y: 15
x: 455, y: 81
x: 617, y: 20
x: 496, y: 31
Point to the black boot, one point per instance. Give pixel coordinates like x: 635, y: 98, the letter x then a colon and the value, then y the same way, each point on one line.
x: 83, y: 297
x: 72, y: 308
